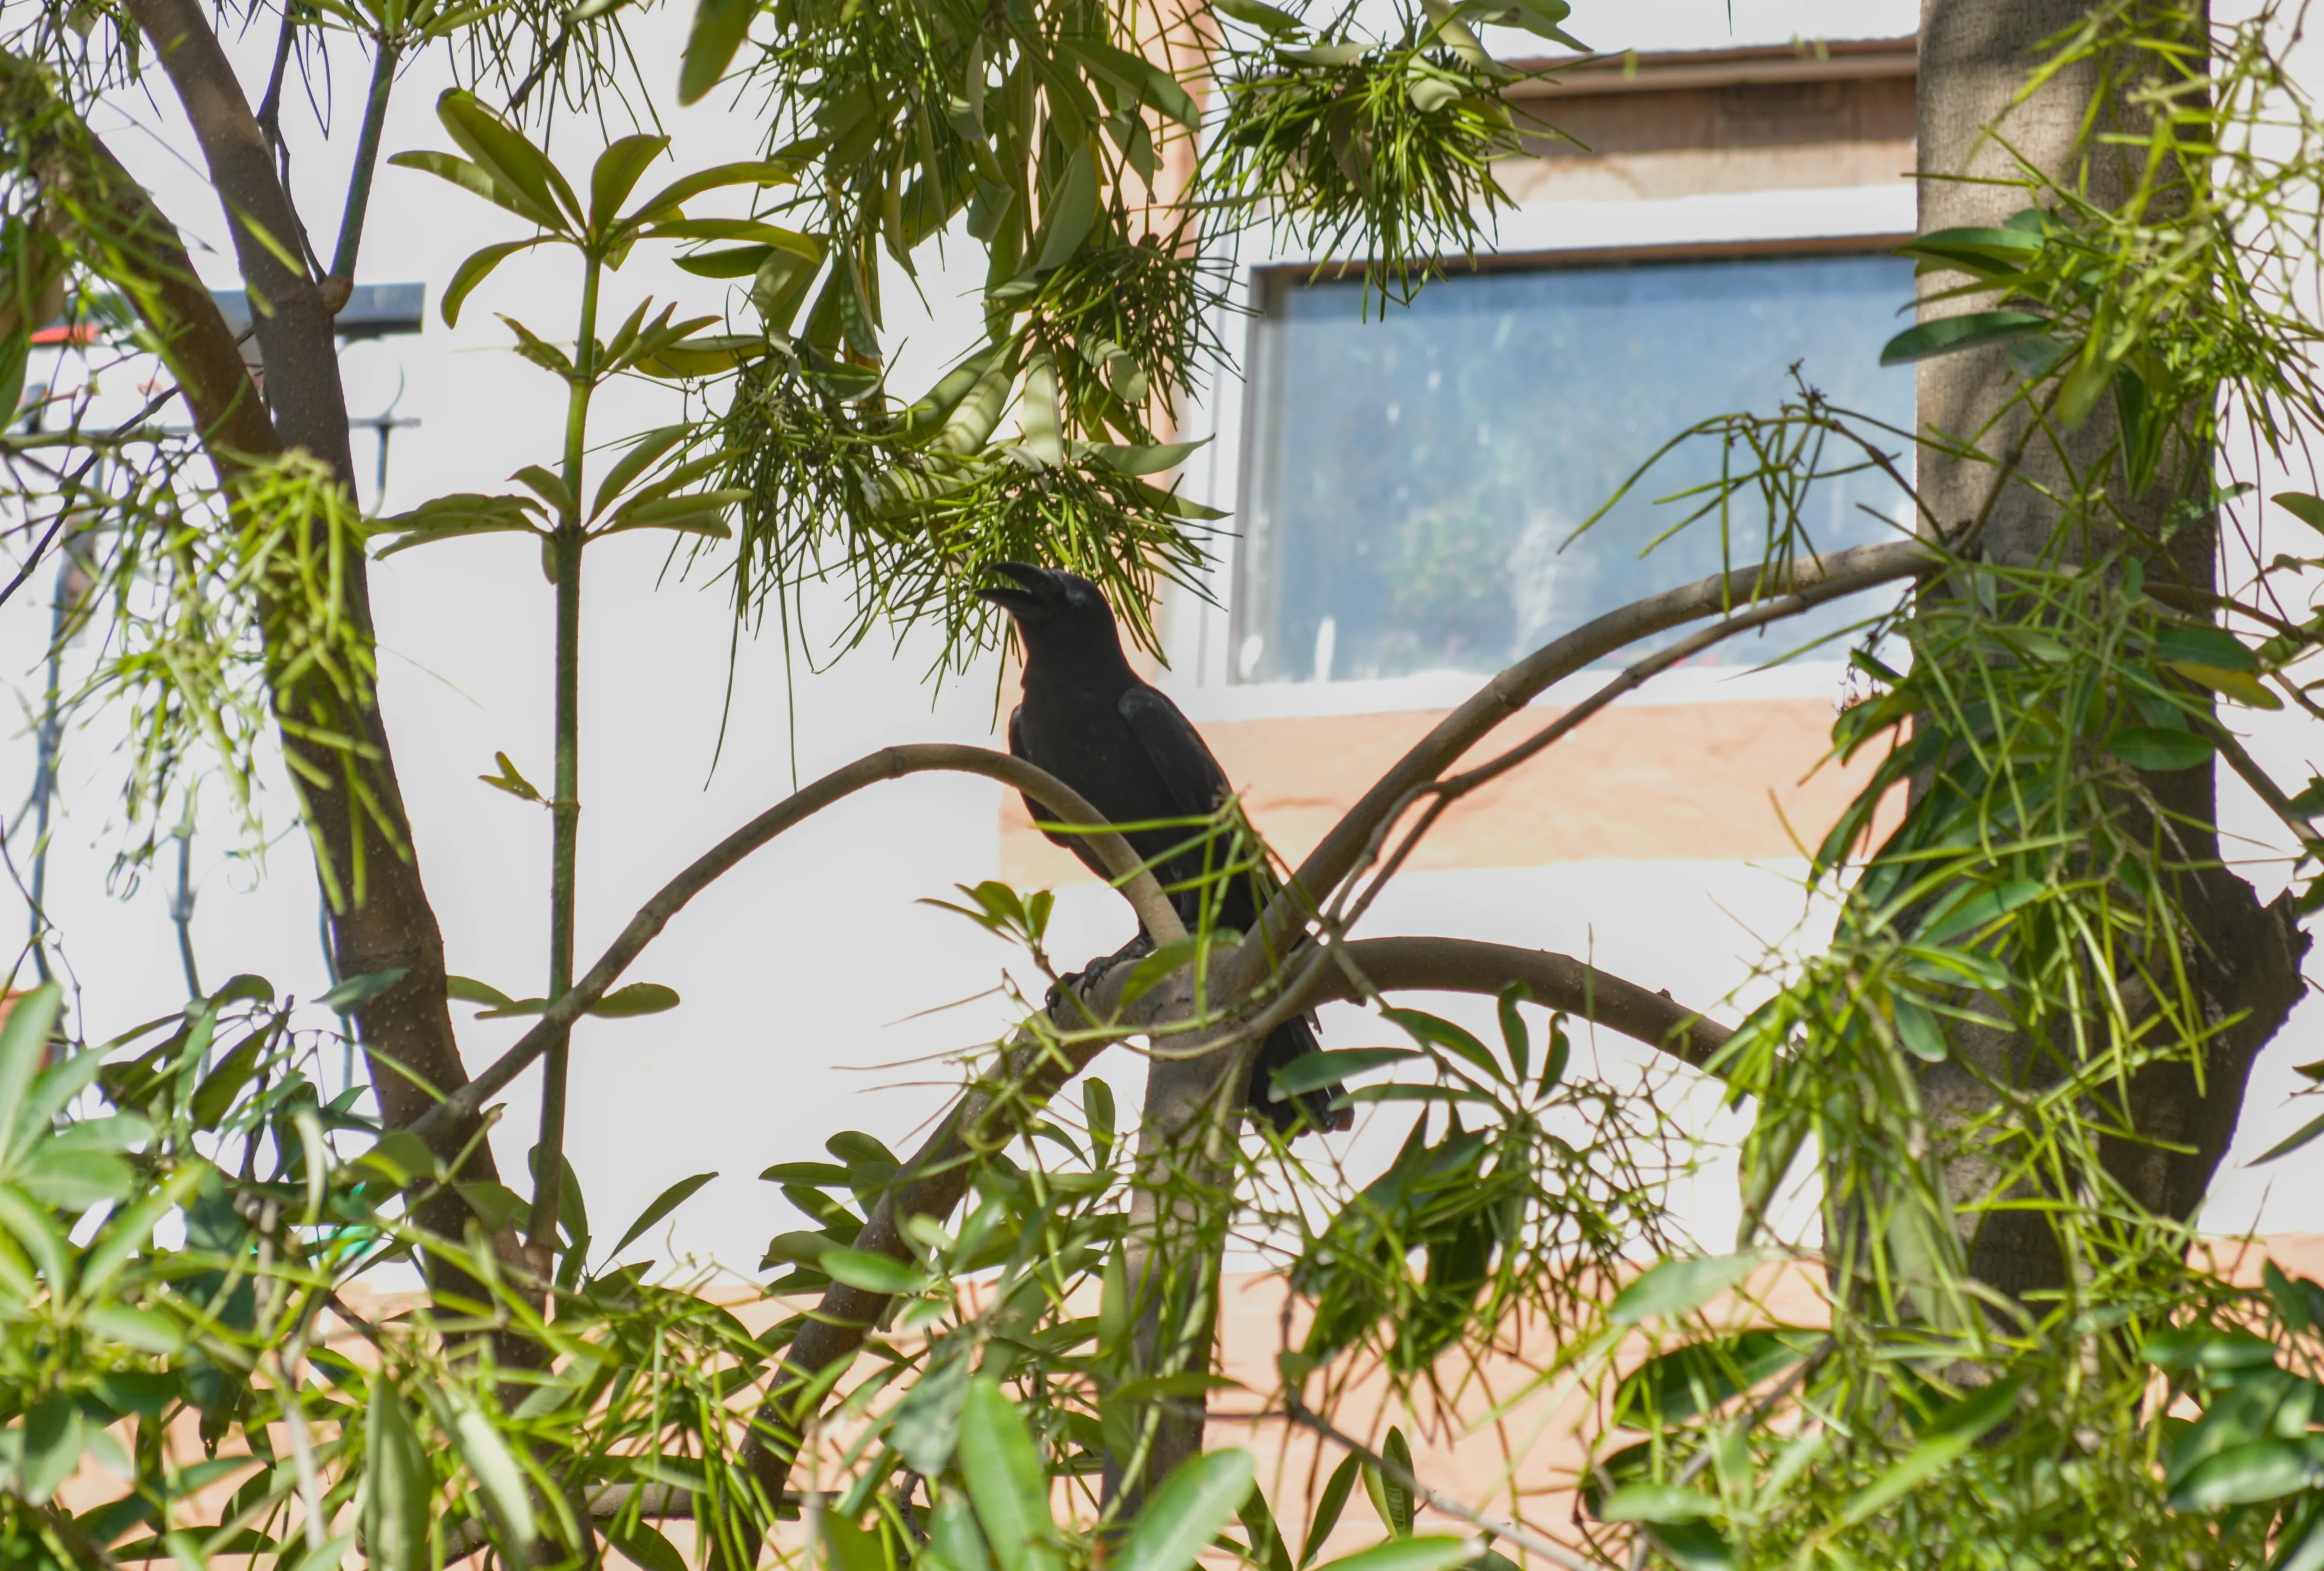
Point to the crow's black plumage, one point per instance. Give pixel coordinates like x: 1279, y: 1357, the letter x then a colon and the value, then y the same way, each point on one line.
x: 1090, y: 721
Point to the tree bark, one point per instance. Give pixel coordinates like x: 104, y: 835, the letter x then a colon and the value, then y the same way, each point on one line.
x: 406, y: 1030
x: 1976, y: 57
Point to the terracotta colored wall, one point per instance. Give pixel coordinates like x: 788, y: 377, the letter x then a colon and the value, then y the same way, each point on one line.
x: 1728, y: 781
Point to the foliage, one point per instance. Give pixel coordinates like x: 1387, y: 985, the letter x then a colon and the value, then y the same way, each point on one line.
x: 190, y: 1236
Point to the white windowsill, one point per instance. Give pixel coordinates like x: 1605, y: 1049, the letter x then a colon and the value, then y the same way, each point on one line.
x: 1822, y: 679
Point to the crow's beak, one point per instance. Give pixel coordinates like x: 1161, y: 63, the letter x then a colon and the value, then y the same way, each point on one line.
x: 1017, y: 601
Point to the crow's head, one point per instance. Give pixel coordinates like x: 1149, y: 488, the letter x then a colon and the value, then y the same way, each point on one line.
x: 1054, y: 609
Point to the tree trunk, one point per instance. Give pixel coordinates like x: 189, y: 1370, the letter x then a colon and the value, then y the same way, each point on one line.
x: 1976, y: 57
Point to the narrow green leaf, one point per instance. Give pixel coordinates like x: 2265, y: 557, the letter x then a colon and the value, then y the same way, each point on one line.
x: 478, y: 268
x: 399, y: 1483
x: 666, y: 202
x: 2309, y: 509
x: 475, y: 178
x: 668, y: 1201
x: 1002, y: 1470
x: 644, y: 1546
x: 507, y: 154
x: 1949, y: 335
x: 1443, y: 1034
x: 874, y: 1273
x: 637, y: 998
x: 616, y: 174
x: 1328, y: 1507
x: 1182, y: 1517
x: 1679, y: 1286
x: 1259, y: 14
x: 146, y: 1330
x: 499, y: 1479
x: 1071, y: 211
x: 1314, y: 1071
x: 719, y: 28
x: 1953, y: 1432
x: 2153, y: 747
x: 356, y: 991
x: 23, y: 1039
x: 1429, y: 1553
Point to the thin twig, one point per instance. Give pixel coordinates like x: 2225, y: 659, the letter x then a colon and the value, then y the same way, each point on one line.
x: 1136, y: 883
x: 1524, y: 1538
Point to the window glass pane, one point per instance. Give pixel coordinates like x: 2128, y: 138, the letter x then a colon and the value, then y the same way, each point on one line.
x: 1411, y: 477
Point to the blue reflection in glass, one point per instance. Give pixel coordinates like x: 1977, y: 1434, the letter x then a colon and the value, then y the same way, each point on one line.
x: 1413, y: 478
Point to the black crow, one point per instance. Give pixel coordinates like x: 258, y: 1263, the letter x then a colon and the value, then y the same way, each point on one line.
x: 1088, y: 720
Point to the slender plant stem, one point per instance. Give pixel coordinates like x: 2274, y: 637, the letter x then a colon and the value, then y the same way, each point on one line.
x: 351, y: 219
x: 565, y: 807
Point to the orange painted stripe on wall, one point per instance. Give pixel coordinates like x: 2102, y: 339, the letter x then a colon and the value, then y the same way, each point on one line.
x: 1731, y: 780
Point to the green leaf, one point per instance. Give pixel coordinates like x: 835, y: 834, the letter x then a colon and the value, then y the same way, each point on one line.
x: 1976, y: 330
x: 512, y: 780
x: 399, y: 1484
x: 468, y: 990
x: 507, y: 154
x: 643, y: 1544
x: 1443, y: 1034
x: 1679, y: 1286
x: 2309, y: 509
x: 1516, y: 1038
x: 2259, y: 1470
x: 356, y: 991
x: 1146, y: 460
x: 477, y: 179
x: 637, y: 998
x: 1182, y: 1517
x: 1918, y: 1030
x: 1334, y: 1501
x: 1657, y: 1503
x: 642, y: 455
x: 616, y: 174
x: 216, y: 1091
x: 478, y: 268
x: 23, y: 1039
x: 146, y: 1330
x: 52, y: 1439
x: 74, y: 1181
x: 1327, y: 55
x: 2153, y: 747
x: 1314, y: 1071
x: 719, y: 27
x: 496, y: 1205
x: 2306, y: 1133
x: 818, y: 1173
x: 1432, y: 1553
x: 1258, y: 14
x: 668, y: 1201
x: 1693, y: 1546
x: 1269, y: 1552
x: 448, y: 517
x: 1688, y: 1382
x: 130, y: 1231
x: 1952, y: 1433
x: 1977, y: 910
x: 499, y: 1479
x: 1002, y: 1471
x: 872, y: 1273
x: 1988, y: 253
x: 1071, y: 212
x: 666, y: 202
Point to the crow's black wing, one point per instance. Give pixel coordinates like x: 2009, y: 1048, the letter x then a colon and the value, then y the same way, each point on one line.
x: 1190, y: 776
x: 1076, y: 844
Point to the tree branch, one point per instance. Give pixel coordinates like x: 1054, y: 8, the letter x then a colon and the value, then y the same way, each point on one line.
x: 140, y: 250
x: 1139, y: 886
x: 294, y: 325
x: 1558, y: 982
x: 1342, y: 849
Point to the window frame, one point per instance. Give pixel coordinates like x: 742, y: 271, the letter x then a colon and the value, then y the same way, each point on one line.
x: 1264, y: 283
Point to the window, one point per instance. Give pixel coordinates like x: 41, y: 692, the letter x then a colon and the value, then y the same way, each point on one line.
x: 1411, y: 478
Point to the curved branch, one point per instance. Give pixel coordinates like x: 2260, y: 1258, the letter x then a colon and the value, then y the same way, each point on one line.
x: 1138, y: 884
x: 1341, y: 851
x: 1558, y: 980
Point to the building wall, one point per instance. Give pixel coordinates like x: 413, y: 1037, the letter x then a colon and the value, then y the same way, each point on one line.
x: 1661, y: 840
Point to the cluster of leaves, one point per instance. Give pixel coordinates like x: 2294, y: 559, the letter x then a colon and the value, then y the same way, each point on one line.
x: 240, y: 598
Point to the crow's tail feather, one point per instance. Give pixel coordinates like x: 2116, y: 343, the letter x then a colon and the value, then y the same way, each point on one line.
x: 1294, y: 1038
